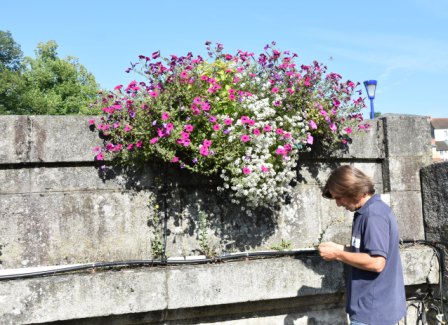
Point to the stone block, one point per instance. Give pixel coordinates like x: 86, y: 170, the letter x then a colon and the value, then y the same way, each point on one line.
x: 407, y: 207
x: 407, y: 136
x: 435, y: 201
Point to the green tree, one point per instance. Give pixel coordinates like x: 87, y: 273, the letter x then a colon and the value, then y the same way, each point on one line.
x: 11, y: 81
x: 10, y: 52
x: 56, y: 86
x: 45, y: 84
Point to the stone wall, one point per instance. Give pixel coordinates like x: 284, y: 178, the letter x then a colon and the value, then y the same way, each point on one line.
x: 58, y: 207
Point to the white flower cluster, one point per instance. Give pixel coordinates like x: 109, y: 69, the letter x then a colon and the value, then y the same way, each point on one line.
x: 263, y: 175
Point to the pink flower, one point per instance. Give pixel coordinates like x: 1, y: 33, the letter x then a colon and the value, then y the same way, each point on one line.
x: 309, y: 139
x: 127, y: 128
x: 280, y: 151
x: 275, y: 90
x: 212, y: 119
x: 92, y: 122
x: 96, y: 149
x: 228, y: 121
x: 116, y: 125
x: 205, y: 106
x: 100, y: 156
x: 348, y: 130
x: 154, y: 94
x: 118, y: 87
x: 256, y: 131
x: 245, y: 138
x: 153, y: 140
x: 245, y: 119
x: 197, y: 100
x: 216, y: 127
x: 246, y: 170
x: 169, y: 127
x: 267, y: 128
x: 279, y: 131
x: 184, y: 74
x: 312, y: 124
x: 264, y: 169
x: 204, y: 151
x: 287, y: 135
x: 333, y: 127
x: 130, y: 146
x: 165, y: 116
x: 189, y: 128
x: 139, y: 144
x: 207, y: 143
x: 175, y: 159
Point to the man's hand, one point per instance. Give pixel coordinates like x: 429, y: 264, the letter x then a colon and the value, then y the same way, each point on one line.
x: 330, y: 251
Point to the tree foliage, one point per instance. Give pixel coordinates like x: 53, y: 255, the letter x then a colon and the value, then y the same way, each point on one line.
x: 10, y: 52
x: 47, y: 84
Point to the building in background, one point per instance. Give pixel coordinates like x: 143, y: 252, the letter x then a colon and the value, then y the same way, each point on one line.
x: 439, y: 134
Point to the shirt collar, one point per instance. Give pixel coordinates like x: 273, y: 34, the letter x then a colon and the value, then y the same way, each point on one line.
x: 374, y: 198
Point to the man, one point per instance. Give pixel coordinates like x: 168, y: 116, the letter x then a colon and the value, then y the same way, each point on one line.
x: 375, y: 288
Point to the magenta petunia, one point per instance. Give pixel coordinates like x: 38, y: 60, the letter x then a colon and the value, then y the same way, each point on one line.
x: 228, y: 121
x: 348, y: 130
x: 165, y: 116
x: 245, y: 138
x: 246, y: 170
x: 189, y: 128
x: 274, y: 90
x: 279, y: 131
x: 264, y: 169
x: 100, y: 156
x: 127, y: 128
x: 204, y: 151
x: 267, y: 128
x: 212, y: 119
x: 207, y: 143
x: 175, y: 159
x: 153, y: 140
x: 312, y: 124
x: 91, y: 122
x: 154, y: 94
x: 309, y: 139
x: 256, y: 131
x: 216, y: 127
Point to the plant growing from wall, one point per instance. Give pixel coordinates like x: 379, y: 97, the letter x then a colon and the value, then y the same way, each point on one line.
x: 242, y: 116
x: 204, y: 240
x: 157, y: 246
x: 282, y: 246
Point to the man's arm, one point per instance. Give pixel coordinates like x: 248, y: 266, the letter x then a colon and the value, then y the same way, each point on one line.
x: 334, y: 252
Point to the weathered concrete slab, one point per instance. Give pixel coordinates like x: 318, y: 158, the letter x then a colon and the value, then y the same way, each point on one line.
x: 76, y: 296
x: 435, y: 199
x: 407, y: 207
x: 407, y: 135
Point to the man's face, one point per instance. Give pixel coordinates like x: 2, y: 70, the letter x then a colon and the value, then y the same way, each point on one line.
x: 349, y: 204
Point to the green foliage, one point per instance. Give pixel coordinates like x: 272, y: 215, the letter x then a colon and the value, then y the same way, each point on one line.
x: 45, y: 84
x: 10, y: 52
x: 204, y: 241
x: 282, y: 246
x: 157, y: 247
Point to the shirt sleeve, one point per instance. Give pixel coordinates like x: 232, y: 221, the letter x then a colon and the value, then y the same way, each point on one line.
x: 376, y: 234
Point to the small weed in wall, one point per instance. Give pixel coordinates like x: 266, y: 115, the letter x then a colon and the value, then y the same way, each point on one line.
x: 204, y: 241
x: 282, y: 246
x: 157, y: 247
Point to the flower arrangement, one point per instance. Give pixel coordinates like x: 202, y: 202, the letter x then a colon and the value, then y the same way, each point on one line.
x: 243, y: 116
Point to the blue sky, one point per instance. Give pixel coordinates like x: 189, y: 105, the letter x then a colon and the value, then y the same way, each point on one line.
x: 403, y: 44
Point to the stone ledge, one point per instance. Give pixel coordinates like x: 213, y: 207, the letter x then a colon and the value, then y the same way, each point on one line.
x: 131, y: 291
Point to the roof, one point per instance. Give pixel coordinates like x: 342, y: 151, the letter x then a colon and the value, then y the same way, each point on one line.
x: 439, y: 123
x: 441, y: 146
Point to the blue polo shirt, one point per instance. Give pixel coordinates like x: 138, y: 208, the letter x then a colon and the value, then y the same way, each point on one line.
x: 376, y: 298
